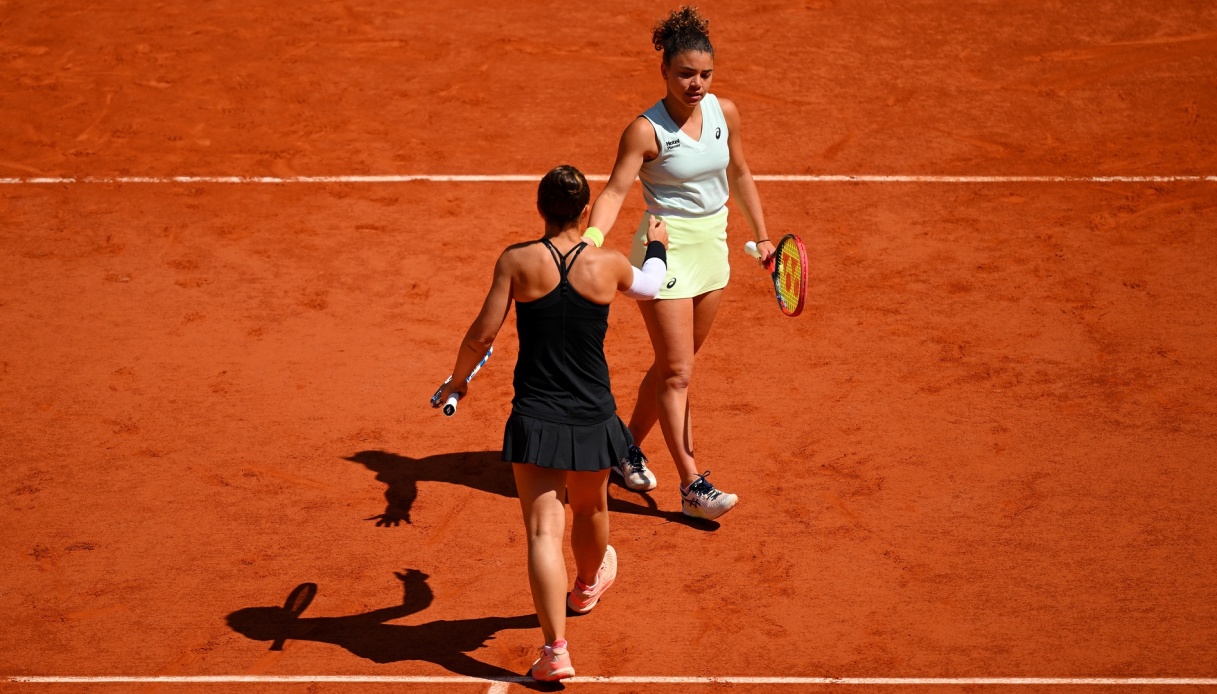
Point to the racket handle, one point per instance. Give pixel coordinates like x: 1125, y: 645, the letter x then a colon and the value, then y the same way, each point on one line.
x: 435, y: 398
x: 454, y: 398
x: 751, y: 249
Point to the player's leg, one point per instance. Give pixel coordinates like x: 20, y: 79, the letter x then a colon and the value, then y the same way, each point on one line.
x: 633, y: 468
x: 541, y: 492
x: 675, y: 327
x: 646, y: 407
x: 595, y: 559
x: 670, y: 325
x: 587, y: 496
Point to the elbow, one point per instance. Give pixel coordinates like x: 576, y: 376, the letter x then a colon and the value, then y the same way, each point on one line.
x: 649, y: 280
x: 479, y: 341
x: 738, y: 171
x: 647, y: 293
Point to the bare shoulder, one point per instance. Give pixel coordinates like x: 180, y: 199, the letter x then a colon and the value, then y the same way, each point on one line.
x: 606, y: 259
x: 600, y: 273
x: 730, y: 112
x: 640, y: 126
x: 515, y: 256
x: 639, y: 133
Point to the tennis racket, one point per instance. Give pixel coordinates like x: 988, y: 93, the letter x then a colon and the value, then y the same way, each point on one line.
x: 297, y: 602
x: 450, y: 405
x: 788, y: 265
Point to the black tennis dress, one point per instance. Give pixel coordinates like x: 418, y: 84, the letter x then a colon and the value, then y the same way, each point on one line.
x: 563, y: 415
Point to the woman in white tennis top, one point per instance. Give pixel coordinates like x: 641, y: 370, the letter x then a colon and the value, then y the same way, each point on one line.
x: 688, y: 153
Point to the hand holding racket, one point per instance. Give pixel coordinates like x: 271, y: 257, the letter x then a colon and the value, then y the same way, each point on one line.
x: 454, y: 396
x: 788, y: 266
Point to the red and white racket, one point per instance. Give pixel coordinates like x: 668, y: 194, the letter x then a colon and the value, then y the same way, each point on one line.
x: 788, y: 265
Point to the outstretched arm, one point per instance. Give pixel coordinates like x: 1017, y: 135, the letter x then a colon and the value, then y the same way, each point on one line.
x: 742, y: 185
x: 417, y: 597
x: 636, y: 146
x: 482, y: 332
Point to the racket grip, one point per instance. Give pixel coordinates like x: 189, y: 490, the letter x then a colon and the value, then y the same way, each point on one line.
x: 750, y: 249
x: 450, y: 405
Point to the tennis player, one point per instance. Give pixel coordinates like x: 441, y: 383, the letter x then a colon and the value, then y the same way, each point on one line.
x: 688, y: 152
x: 563, y: 434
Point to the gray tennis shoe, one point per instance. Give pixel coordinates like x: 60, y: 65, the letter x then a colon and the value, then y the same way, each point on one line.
x: 702, y: 500
x: 634, y: 472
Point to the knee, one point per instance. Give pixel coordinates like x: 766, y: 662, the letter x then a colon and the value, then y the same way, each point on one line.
x: 677, y: 376
x: 546, y: 527
x: 545, y: 535
x: 589, y: 510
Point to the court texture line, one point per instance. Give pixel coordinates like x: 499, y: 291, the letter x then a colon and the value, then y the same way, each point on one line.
x: 529, y: 178
x: 497, y: 684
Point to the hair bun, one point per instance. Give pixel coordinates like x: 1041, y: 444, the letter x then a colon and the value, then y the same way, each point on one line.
x: 683, y: 29
x: 685, y: 20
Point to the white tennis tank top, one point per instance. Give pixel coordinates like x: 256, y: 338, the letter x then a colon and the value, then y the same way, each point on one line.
x: 689, y: 177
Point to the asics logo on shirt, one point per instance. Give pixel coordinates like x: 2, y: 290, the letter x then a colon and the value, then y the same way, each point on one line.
x: 671, y: 283
x: 718, y: 133
x: 670, y: 145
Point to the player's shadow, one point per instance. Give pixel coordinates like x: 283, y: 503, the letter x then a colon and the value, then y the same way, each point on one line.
x: 482, y: 470
x: 445, y: 643
x: 619, y: 505
x: 401, y: 475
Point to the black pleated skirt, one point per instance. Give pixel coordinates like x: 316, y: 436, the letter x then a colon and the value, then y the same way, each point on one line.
x: 572, y: 447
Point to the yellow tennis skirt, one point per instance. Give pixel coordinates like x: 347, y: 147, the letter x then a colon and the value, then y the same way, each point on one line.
x: 697, y: 254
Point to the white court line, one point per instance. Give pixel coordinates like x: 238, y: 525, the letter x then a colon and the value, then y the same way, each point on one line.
x: 532, y: 178
x: 406, y: 679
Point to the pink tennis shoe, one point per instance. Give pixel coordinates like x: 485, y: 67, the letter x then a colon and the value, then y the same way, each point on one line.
x: 554, y: 663
x: 582, y: 598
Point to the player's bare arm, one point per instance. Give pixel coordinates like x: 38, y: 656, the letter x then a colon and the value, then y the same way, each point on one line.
x: 481, y: 333
x: 740, y: 179
x: 636, y: 146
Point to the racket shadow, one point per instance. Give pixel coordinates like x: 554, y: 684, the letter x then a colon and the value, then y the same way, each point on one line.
x: 446, y: 643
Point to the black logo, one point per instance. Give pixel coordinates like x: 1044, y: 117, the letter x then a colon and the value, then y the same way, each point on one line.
x: 671, y: 283
x: 671, y: 144
x: 718, y: 133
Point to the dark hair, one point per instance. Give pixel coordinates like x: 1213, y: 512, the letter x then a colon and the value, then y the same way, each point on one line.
x: 562, y: 195
x: 684, y: 30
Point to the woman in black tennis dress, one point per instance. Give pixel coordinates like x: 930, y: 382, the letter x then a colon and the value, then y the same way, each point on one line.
x: 563, y: 434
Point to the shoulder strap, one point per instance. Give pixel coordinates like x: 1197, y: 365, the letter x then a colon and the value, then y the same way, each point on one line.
x: 573, y: 254
x: 553, y: 252
x: 561, y: 260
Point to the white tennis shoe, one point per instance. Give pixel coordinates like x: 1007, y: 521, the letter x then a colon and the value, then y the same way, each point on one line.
x: 634, y: 472
x: 702, y: 500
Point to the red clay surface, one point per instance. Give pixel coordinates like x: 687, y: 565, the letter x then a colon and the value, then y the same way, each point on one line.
x: 985, y: 449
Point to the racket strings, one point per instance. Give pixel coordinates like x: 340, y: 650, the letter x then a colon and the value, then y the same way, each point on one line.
x: 790, y: 275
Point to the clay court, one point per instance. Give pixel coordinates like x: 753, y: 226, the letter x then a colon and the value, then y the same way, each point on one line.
x: 983, y: 459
